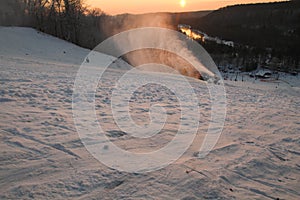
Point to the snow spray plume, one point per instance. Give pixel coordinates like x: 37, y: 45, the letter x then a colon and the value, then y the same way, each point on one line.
x: 124, y: 86
x: 117, y: 24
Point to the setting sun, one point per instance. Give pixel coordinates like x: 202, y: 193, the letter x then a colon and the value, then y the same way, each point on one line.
x: 146, y: 6
x: 182, y: 3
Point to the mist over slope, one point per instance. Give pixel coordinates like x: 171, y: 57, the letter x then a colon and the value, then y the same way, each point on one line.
x: 264, y: 34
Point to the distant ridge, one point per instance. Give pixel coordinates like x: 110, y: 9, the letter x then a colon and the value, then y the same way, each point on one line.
x: 265, y: 25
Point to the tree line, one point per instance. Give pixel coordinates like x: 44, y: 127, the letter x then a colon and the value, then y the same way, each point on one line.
x: 267, y: 34
x: 70, y: 20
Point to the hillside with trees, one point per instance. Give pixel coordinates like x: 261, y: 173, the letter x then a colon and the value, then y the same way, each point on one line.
x: 70, y: 20
x: 265, y: 34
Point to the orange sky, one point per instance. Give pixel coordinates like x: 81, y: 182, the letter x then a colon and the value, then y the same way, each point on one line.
x: 144, y: 6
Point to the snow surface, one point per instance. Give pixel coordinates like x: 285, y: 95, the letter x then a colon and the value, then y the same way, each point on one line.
x: 28, y: 43
x: 42, y: 157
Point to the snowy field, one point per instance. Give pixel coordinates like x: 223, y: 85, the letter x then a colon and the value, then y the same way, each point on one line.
x: 42, y: 156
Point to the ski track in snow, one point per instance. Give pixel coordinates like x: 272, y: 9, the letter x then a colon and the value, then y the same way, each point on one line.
x: 42, y: 156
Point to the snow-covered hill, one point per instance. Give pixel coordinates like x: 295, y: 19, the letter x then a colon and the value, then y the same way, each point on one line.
x: 42, y: 156
x: 28, y: 43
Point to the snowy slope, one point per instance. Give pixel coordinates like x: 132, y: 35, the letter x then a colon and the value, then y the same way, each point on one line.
x: 42, y: 156
x: 28, y: 43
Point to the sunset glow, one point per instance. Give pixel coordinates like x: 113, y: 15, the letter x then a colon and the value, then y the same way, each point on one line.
x: 182, y: 3
x: 149, y: 6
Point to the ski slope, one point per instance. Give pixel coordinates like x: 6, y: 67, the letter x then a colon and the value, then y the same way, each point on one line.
x: 42, y: 156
